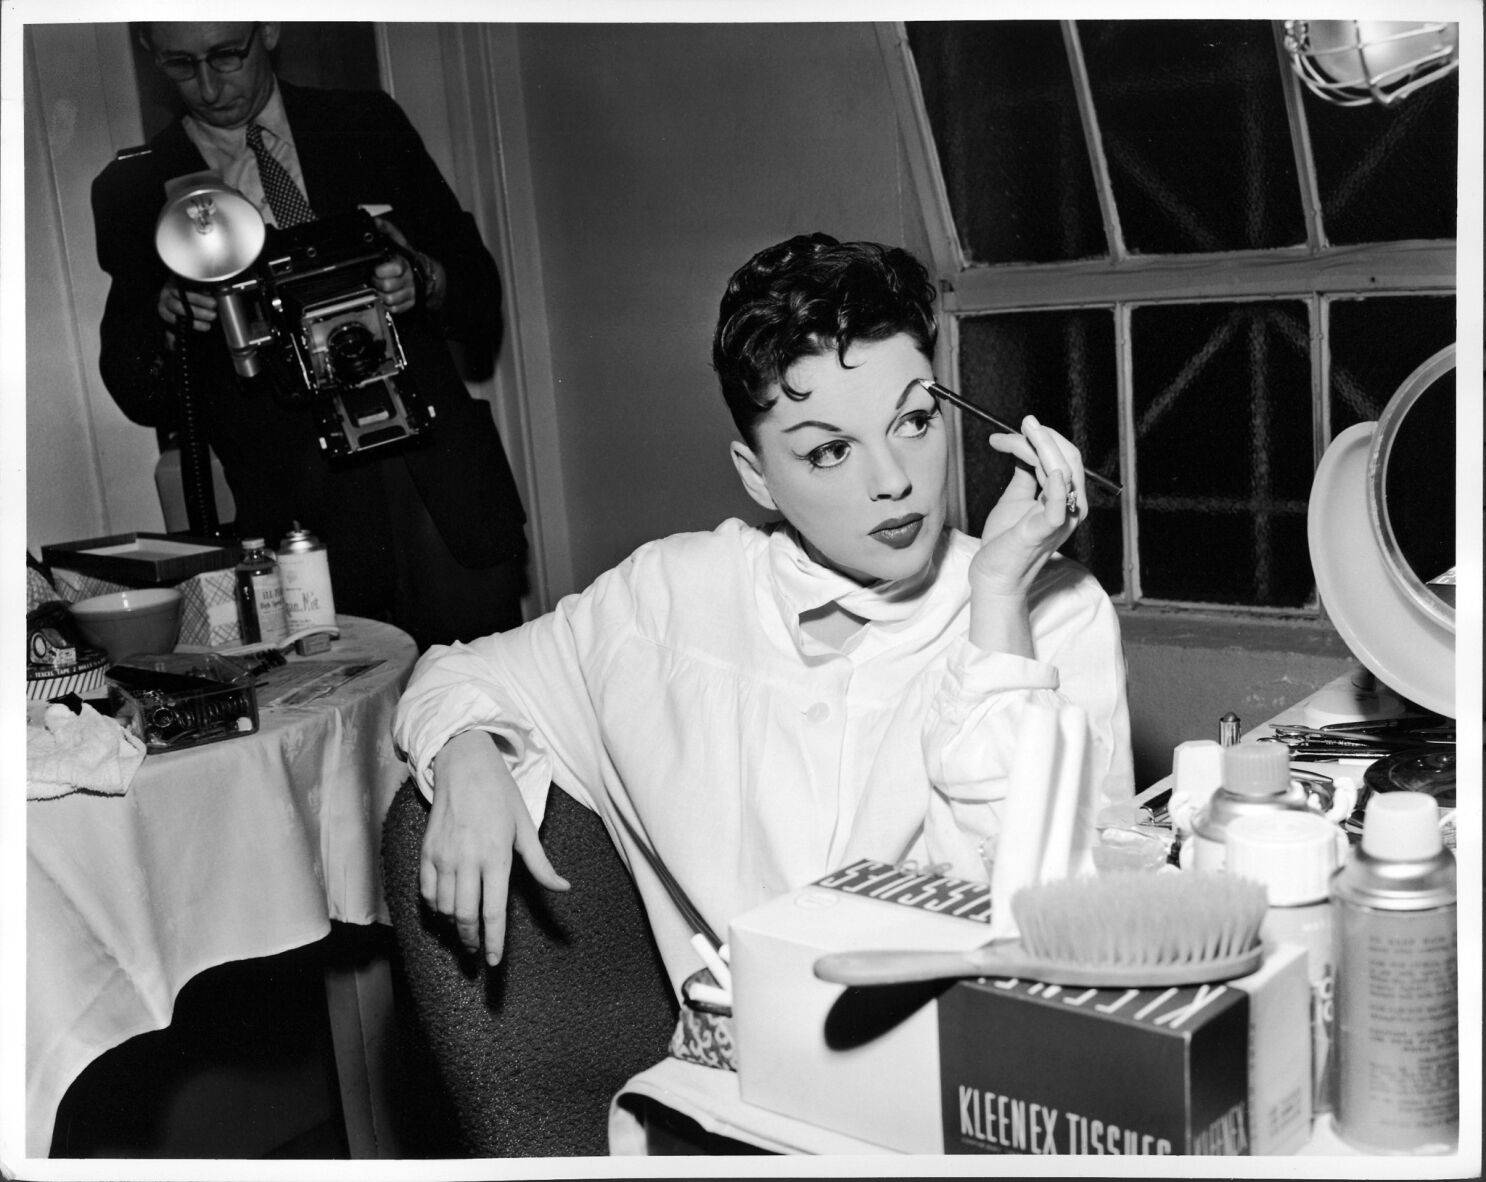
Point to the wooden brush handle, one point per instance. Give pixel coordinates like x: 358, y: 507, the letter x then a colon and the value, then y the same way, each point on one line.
x: 893, y: 967
x: 1007, y: 958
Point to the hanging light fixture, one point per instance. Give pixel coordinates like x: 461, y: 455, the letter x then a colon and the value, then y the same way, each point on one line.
x: 1353, y: 63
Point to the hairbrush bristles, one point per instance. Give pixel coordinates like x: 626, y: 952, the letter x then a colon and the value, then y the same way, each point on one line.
x: 1140, y: 919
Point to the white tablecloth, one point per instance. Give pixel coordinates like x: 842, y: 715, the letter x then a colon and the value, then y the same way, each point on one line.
x: 235, y: 849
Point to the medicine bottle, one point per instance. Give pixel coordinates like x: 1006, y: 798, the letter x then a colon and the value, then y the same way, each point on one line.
x: 260, y: 595
x: 1256, y: 780
x: 1294, y: 854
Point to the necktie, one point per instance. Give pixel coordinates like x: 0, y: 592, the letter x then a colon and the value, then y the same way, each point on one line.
x: 289, y: 205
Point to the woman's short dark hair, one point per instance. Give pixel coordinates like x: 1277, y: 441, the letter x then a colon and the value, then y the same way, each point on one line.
x: 806, y: 296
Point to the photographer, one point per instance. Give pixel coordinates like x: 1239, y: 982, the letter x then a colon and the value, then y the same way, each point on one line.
x: 428, y: 535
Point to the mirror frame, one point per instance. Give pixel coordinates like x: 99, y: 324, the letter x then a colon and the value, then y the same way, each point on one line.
x: 1389, y: 423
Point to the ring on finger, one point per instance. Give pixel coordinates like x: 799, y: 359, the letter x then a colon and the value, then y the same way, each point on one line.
x: 1070, y: 502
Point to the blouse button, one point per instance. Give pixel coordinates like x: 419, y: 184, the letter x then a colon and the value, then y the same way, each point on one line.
x: 818, y: 713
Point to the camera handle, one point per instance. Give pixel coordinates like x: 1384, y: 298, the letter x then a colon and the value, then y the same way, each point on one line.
x: 196, y: 460
x: 420, y: 274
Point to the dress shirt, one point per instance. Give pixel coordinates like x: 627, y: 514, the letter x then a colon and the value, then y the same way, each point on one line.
x: 226, y: 151
x: 681, y: 689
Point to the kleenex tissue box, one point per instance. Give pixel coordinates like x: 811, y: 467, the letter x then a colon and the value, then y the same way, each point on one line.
x: 1005, y: 1066
x: 1220, y: 1069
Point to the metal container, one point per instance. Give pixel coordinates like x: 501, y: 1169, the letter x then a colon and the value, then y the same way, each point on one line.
x: 1256, y: 782
x: 1397, y: 1037
x: 304, y: 569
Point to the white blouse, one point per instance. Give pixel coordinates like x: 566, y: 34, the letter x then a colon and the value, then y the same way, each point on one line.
x: 680, y: 688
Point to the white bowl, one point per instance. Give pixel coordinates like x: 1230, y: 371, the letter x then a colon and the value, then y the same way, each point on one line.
x: 139, y: 620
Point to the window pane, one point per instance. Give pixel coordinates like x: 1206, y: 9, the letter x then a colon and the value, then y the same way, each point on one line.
x: 1387, y: 173
x: 1192, y: 116
x: 1375, y: 344
x: 1000, y: 101
x: 1223, y: 452
x: 1059, y: 366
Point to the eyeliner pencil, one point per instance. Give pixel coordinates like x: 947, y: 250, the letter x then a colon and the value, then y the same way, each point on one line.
x: 986, y: 416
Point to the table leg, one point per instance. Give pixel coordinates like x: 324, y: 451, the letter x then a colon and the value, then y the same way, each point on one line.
x: 359, y: 998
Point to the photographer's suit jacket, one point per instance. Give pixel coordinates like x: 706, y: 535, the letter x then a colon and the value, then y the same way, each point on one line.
x: 354, y: 148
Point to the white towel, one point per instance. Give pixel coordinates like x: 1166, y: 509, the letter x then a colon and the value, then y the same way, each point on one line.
x: 1047, y: 829
x: 71, y: 752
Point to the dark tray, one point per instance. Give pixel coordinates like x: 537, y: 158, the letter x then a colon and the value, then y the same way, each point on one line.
x: 142, y: 559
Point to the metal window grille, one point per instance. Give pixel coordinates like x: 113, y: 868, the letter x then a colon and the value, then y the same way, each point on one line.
x: 1150, y: 235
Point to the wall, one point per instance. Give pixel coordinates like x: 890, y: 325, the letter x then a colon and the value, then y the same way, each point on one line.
x: 78, y: 443
x: 663, y: 156
x: 1186, y: 672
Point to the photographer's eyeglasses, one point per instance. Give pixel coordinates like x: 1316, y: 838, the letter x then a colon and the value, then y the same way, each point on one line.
x: 182, y: 67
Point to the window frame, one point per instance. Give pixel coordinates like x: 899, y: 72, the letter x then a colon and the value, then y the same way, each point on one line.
x: 1314, y: 273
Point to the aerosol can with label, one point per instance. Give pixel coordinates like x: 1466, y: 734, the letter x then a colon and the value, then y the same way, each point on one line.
x: 304, y: 567
x: 1397, y: 1032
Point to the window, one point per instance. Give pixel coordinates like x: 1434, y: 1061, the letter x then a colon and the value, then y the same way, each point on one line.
x: 1153, y: 237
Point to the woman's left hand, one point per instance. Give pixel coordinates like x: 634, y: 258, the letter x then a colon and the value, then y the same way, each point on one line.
x: 1035, y: 514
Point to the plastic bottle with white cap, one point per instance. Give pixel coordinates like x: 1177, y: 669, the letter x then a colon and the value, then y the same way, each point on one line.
x: 1397, y: 1036
x: 1256, y: 780
x: 1294, y: 854
x: 1196, y: 772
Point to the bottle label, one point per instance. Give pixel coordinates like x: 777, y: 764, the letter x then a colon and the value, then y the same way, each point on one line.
x: 1310, y: 927
x: 268, y: 603
x: 1397, y: 1043
x: 308, y: 601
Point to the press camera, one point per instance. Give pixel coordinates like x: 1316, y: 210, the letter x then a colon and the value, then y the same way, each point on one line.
x: 300, y: 310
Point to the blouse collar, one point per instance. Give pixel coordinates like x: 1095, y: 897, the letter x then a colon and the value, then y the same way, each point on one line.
x: 800, y: 584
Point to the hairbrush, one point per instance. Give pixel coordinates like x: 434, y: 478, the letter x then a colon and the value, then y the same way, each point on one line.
x: 1129, y: 930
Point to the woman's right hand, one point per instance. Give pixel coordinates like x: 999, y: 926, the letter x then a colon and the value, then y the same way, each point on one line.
x: 173, y: 301
x: 1032, y: 518
x: 478, y: 818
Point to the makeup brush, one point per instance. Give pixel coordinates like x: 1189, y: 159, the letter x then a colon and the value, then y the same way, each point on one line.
x: 1132, y: 930
x: 986, y: 416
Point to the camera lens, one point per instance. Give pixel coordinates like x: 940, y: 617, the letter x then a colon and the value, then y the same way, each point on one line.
x: 354, y: 352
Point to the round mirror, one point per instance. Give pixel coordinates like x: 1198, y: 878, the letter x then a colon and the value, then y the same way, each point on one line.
x: 1381, y: 527
x: 1411, y: 498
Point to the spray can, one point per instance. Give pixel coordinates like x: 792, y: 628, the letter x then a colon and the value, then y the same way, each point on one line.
x: 260, y: 595
x: 1256, y: 780
x: 1397, y: 1012
x: 304, y: 567
x: 1294, y: 854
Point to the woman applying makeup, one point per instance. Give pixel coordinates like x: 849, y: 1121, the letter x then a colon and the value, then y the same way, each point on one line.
x: 766, y: 704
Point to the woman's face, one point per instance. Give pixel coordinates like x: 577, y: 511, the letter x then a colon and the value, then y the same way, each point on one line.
x: 859, y: 466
